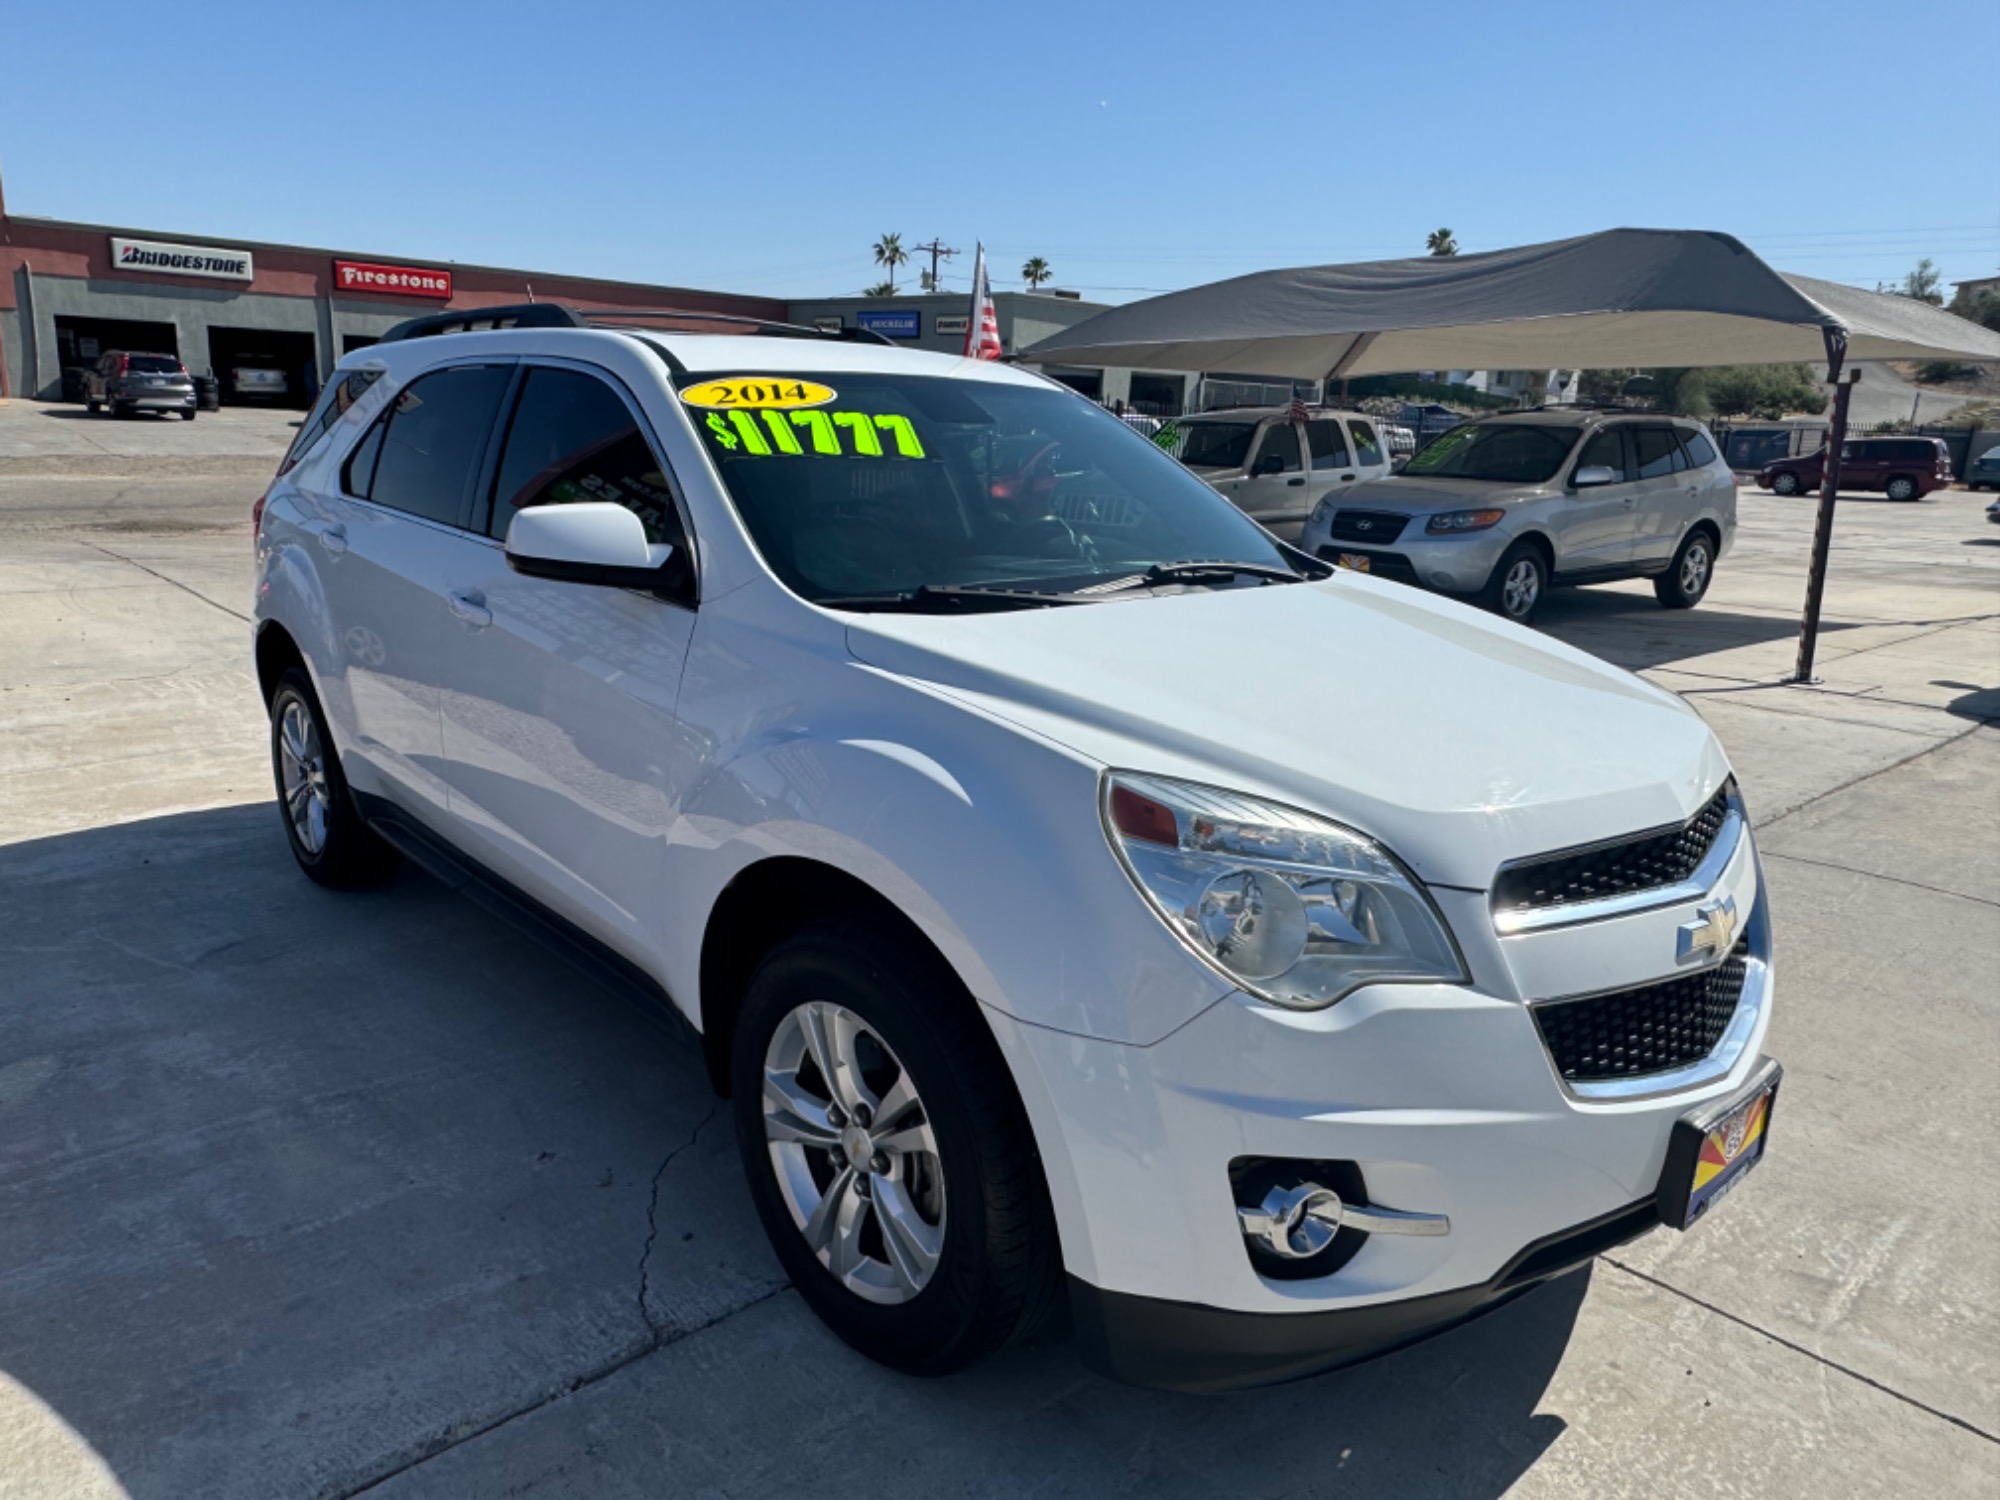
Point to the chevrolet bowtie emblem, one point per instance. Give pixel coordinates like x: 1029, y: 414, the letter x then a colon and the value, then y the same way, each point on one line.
x: 1712, y: 932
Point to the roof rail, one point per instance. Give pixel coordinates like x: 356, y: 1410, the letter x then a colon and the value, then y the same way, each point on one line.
x: 557, y: 315
x: 599, y: 315
x: 513, y: 315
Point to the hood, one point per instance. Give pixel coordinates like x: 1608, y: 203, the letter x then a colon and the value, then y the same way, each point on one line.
x: 1416, y: 493
x: 1456, y: 739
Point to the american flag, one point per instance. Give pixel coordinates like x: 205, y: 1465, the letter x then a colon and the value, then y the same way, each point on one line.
x: 982, y: 329
x: 1298, y: 411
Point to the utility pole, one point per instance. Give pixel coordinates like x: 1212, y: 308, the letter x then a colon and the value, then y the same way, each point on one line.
x: 937, y: 251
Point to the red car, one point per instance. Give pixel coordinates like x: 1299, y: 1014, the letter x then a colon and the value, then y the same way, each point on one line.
x: 1903, y: 468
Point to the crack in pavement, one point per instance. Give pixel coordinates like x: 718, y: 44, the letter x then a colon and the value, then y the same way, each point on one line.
x: 654, y: 1340
x: 197, y: 593
x: 1796, y: 1348
x: 653, y: 1224
x: 1916, y: 885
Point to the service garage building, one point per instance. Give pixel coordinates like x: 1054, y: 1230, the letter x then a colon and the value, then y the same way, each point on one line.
x: 241, y: 309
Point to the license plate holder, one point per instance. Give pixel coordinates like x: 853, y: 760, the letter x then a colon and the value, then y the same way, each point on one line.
x: 1715, y: 1146
x: 1354, y: 561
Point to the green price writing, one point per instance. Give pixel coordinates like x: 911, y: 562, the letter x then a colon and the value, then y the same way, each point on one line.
x: 779, y: 432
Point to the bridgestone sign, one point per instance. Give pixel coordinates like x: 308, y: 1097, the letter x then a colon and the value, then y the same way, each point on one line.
x: 180, y: 260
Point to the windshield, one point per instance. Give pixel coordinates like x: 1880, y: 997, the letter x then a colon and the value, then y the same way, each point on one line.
x: 1214, y: 445
x: 861, y: 486
x: 152, y: 364
x: 1510, y: 452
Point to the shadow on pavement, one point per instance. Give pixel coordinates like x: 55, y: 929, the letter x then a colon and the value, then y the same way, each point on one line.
x: 1631, y: 630
x: 298, y: 1189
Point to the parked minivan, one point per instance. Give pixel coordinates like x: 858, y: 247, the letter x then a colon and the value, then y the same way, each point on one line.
x: 1903, y: 468
x: 1273, y: 467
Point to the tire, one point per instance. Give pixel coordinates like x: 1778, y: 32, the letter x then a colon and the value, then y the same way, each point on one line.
x: 324, y: 827
x: 1785, y: 484
x: 978, y: 1265
x: 1902, y: 487
x: 1687, y: 578
x: 92, y: 405
x: 1518, y: 584
x: 187, y: 414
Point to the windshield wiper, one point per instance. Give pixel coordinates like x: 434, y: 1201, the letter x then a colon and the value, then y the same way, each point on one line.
x: 942, y: 596
x: 1202, y: 572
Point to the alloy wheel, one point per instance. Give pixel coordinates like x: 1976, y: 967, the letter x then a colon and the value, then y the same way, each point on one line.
x: 1521, y: 588
x: 853, y: 1152
x: 303, y: 769
x: 1694, y: 570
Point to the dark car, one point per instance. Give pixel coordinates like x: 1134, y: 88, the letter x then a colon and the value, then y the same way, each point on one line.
x: 125, y: 383
x: 1984, y: 471
x: 1903, y: 468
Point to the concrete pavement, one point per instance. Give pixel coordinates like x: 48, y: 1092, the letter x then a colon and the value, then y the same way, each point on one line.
x: 305, y: 1194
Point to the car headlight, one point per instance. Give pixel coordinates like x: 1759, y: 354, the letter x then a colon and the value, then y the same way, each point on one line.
x: 1451, y: 522
x: 1290, y: 906
x: 1322, y: 510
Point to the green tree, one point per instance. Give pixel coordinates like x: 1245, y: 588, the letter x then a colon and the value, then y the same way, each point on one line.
x: 1441, y: 242
x: 880, y: 289
x: 1036, y: 271
x: 889, y: 253
x: 1921, y: 285
x: 1981, y: 307
x: 1768, y: 391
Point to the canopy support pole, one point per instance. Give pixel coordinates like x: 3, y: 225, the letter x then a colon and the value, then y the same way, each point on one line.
x: 1829, y: 485
x: 1345, y: 363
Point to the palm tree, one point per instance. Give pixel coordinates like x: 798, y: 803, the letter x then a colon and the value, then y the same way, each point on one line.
x: 1441, y: 242
x: 880, y: 289
x: 1035, y: 272
x: 889, y: 252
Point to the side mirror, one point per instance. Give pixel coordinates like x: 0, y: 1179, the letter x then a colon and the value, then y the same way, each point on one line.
x: 1594, y: 475
x: 596, y: 542
x: 1270, y: 463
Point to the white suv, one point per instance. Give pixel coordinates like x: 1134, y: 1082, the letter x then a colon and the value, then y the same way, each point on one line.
x: 930, y: 741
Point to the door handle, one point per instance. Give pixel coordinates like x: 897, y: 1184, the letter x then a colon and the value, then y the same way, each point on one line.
x: 1627, y: 501
x: 470, y: 606
x: 333, y: 537
x: 1347, y: 479
x: 1295, y: 484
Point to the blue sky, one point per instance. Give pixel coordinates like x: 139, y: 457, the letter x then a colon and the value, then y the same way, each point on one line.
x: 763, y: 148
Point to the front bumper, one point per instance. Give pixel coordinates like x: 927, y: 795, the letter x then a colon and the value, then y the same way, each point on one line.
x: 1449, y: 564
x: 1443, y: 1097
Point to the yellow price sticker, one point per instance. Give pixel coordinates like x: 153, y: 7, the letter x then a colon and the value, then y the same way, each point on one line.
x: 756, y: 391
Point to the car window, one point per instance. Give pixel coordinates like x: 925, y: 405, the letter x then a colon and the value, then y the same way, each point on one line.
x: 1605, y: 450
x: 1367, y: 447
x: 888, y: 482
x: 1328, y: 447
x: 154, y: 364
x: 435, y: 438
x: 332, y: 404
x: 1506, y: 452
x: 573, y: 439
x: 1655, y: 450
x: 1210, y: 445
x: 358, y: 473
x: 1282, y: 439
x: 1700, y: 451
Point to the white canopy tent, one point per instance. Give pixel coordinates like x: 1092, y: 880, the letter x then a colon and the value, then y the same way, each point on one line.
x: 1649, y: 297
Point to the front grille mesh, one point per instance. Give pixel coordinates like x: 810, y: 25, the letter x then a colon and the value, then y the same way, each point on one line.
x: 1374, y: 527
x: 1652, y: 1029
x: 1637, y: 864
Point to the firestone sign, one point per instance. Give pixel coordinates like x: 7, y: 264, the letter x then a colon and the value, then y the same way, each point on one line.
x: 180, y: 260
x: 394, y: 281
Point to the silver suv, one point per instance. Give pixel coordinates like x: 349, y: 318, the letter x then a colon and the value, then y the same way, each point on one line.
x: 1500, y: 509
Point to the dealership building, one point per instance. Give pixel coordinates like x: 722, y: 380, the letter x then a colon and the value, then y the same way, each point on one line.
x: 70, y: 292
